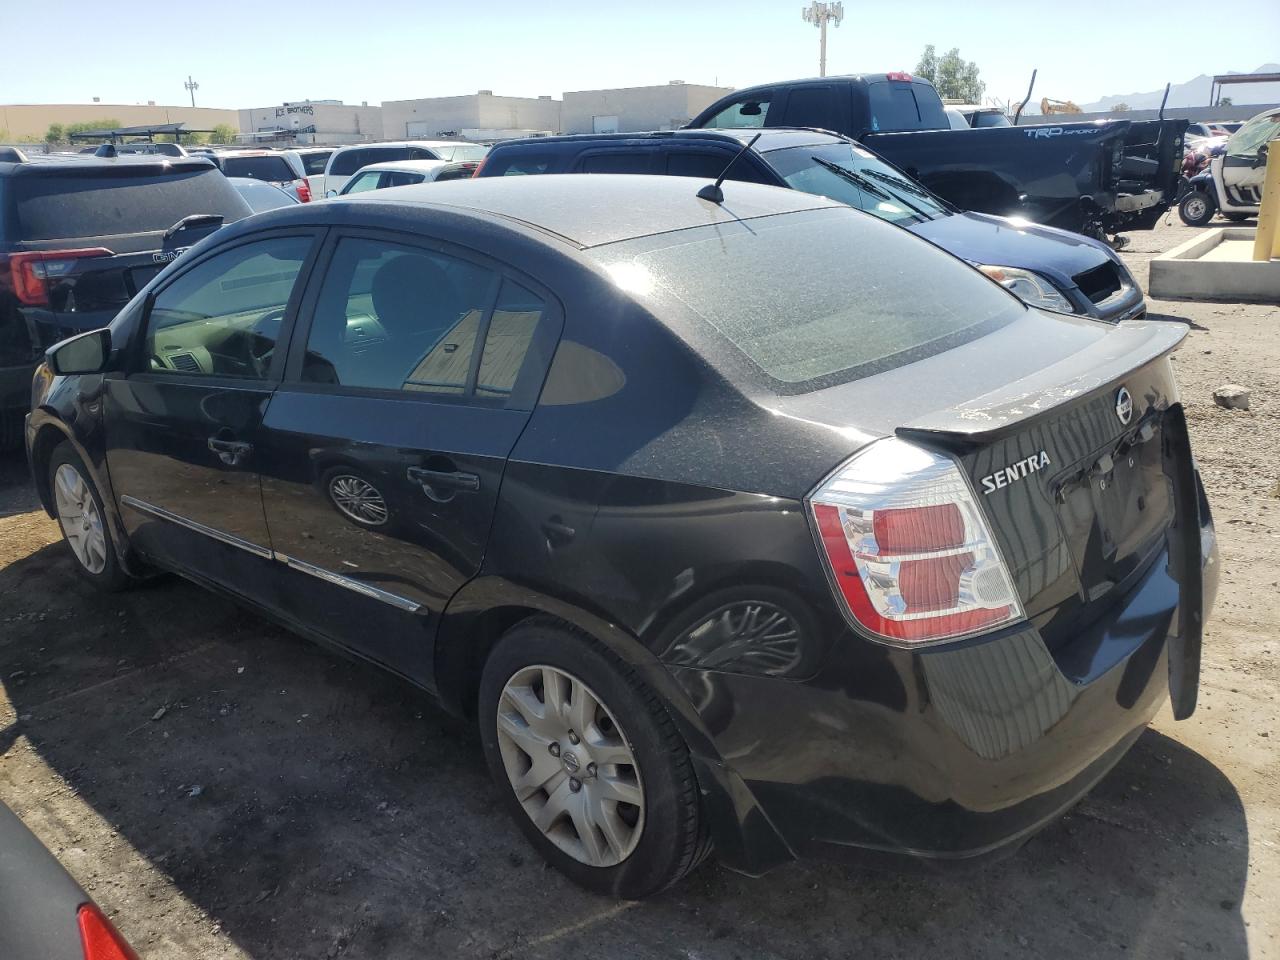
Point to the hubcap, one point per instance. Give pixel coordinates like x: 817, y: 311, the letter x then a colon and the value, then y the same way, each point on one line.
x: 570, y: 765
x: 358, y: 499
x: 1195, y: 209
x: 79, y: 518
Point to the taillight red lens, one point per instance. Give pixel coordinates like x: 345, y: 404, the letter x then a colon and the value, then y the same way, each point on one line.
x: 30, y: 272
x: 900, y: 75
x: 99, y: 939
x: 304, y: 191
x: 907, y: 548
x: 479, y: 167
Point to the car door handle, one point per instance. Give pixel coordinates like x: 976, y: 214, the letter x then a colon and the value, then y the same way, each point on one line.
x: 230, y: 452
x: 435, y: 481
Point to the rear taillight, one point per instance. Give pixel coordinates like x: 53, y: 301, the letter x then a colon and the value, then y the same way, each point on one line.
x: 31, y: 273
x: 480, y: 166
x: 99, y: 939
x: 907, y: 548
x: 900, y: 75
x: 304, y: 191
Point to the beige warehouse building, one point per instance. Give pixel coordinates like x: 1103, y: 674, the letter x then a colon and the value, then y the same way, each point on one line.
x: 628, y: 109
x: 313, y: 121
x: 430, y: 118
x: 31, y: 120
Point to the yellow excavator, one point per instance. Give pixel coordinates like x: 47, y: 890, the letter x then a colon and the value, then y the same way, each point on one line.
x: 1049, y: 107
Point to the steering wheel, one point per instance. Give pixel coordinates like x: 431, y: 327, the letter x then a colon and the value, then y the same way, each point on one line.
x: 261, y: 345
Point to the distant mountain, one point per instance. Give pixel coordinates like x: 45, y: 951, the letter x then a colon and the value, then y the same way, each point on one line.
x: 1194, y: 93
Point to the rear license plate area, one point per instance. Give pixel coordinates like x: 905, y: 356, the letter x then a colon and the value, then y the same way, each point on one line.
x: 1113, y: 506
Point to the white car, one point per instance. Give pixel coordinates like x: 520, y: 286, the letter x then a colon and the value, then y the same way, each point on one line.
x: 347, y: 160
x: 401, y: 173
x: 311, y: 161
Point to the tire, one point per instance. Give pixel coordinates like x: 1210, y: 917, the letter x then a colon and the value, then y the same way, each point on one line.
x: 1197, y: 208
x: 628, y: 849
x: 83, y: 520
x: 1239, y: 217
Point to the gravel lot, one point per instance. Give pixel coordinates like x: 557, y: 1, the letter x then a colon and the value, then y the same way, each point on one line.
x: 224, y: 789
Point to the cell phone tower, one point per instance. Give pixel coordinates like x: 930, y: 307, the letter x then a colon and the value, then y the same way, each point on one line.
x: 820, y: 14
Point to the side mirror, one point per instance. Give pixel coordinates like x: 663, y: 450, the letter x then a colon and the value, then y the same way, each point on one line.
x: 84, y: 353
x: 1261, y: 159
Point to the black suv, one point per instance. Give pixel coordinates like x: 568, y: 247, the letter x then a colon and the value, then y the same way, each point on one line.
x: 79, y: 236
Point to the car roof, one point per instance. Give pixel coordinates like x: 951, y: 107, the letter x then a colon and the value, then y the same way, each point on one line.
x: 588, y: 211
x: 38, y: 164
x: 429, y: 144
x: 771, y: 138
x: 409, y: 166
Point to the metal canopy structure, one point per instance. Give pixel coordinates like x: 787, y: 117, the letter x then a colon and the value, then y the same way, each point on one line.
x: 1215, y: 89
x: 149, y: 131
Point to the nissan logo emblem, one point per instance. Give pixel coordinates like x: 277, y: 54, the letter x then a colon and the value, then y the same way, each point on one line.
x: 1124, y: 405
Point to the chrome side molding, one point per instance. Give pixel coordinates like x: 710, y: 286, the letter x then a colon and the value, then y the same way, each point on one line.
x: 397, y: 601
x: 160, y: 512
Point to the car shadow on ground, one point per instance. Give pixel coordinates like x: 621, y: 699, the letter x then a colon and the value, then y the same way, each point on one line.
x: 312, y: 807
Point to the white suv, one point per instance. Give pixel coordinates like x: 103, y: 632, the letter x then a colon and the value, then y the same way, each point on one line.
x: 347, y: 160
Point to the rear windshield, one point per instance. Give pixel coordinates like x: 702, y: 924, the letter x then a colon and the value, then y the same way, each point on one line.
x: 274, y: 169
x: 901, y: 105
x: 314, y: 163
x: 107, y: 203
x: 871, y: 297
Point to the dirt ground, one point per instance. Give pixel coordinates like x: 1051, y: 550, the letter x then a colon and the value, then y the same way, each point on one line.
x: 226, y: 790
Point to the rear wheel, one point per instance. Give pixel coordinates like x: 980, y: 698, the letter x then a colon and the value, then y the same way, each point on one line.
x: 1197, y: 208
x: 83, y: 520
x: 589, y: 762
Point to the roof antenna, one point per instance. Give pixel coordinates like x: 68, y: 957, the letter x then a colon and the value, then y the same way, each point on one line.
x: 712, y: 191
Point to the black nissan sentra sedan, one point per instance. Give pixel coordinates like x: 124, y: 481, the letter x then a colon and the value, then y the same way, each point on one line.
x: 760, y: 526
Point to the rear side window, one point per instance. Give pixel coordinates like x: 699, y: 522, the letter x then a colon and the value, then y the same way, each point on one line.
x: 988, y: 118
x: 314, y: 163
x: 618, y: 161
x: 273, y: 169
x: 511, y: 164
x: 750, y: 111
x: 900, y: 105
x: 116, y: 201
x: 872, y: 297
x: 401, y: 178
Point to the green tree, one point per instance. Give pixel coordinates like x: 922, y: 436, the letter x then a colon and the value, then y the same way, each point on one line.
x: 223, y: 133
x: 107, y: 123
x: 1120, y: 107
x: 954, y: 77
x: 55, y: 133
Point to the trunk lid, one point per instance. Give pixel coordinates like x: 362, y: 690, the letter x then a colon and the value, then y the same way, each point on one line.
x: 1069, y: 458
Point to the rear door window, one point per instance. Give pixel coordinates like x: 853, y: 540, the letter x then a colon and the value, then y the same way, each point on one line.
x: 369, y: 180
x: 512, y: 164
x: 752, y: 111
x: 709, y: 164
x: 810, y: 107
x: 272, y: 169
x: 118, y: 201
x: 902, y: 105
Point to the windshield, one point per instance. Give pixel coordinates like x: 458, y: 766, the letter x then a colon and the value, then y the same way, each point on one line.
x: 1246, y: 141
x: 849, y: 174
x: 870, y: 297
x: 462, y: 151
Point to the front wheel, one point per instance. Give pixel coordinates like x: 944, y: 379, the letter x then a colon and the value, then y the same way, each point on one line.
x: 83, y: 520
x: 1197, y: 208
x: 589, y: 762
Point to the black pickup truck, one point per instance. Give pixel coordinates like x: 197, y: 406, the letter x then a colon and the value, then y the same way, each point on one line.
x: 1093, y: 178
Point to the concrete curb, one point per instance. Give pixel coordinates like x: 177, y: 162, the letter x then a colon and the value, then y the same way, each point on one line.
x: 1183, y: 274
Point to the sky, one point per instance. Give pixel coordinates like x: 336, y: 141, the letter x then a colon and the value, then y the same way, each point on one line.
x: 246, y: 54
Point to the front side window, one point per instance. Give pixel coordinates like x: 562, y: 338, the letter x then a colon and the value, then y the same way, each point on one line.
x: 749, y: 112
x: 1246, y: 141
x: 396, y: 317
x: 223, y: 316
x: 347, y: 162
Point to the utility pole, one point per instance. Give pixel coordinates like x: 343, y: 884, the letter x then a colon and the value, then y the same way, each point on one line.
x: 192, y: 87
x: 820, y: 14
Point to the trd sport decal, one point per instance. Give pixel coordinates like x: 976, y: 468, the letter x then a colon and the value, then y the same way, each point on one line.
x: 1015, y: 471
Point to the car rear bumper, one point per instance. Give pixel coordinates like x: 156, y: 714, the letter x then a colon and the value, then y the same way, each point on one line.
x: 940, y: 756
